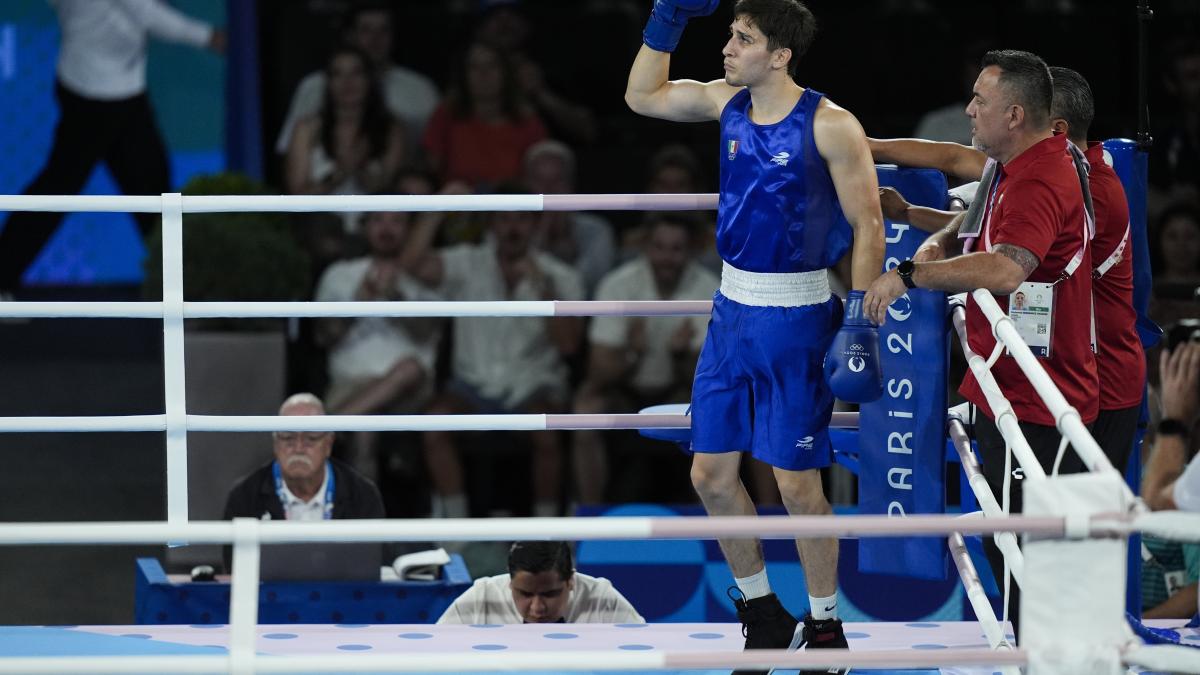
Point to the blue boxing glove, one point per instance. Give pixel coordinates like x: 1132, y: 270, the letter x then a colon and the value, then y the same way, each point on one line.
x: 852, y: 364
x: 668, y: 18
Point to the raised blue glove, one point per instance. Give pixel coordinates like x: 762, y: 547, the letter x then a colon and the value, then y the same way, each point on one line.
x: 668, y: 18
x: 852, y: 364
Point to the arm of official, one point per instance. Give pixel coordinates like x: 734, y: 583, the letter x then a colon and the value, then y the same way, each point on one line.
x: 960, y: 161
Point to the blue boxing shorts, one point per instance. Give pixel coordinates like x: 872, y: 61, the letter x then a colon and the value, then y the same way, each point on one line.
x: 760, y: 384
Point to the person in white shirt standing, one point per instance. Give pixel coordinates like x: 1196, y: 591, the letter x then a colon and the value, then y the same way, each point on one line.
x: 104, y: 113
x: 542, y: 586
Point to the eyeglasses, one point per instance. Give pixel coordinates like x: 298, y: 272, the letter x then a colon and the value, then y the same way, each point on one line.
x: 308, y: 438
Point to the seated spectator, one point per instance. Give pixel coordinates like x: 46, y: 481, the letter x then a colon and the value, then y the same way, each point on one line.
x: 352, y: 146
x: 674, y: 169
x: 409, y: 96
x: 303, y: 482
x: 499, y: 364
x: 635, y: 362
x: 481, y: 132
x: 502, y: 24
x: 1175, y: 156
x: 541, y: 586
x: 582, y: 240
x: 1175, y: 260
x: 1170, y: 568
x: 377, y: 364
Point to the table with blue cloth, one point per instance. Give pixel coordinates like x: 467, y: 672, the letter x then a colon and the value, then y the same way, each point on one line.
x: 162, y: 599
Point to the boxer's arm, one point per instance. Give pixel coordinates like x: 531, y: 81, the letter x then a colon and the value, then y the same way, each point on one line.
x: 957, y: 160
x: 649, y: 92
x: 843, y: 145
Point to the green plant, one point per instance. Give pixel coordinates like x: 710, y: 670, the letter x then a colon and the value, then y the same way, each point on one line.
x: 233, y: 256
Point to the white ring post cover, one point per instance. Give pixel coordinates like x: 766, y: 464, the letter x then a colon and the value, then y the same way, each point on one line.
x: 1073, y: 598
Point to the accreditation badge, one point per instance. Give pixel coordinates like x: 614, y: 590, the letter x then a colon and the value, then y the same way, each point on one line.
x: 1031, y: 309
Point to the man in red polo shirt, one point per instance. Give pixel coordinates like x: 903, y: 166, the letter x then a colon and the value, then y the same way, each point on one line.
x: 1033, y: 238
x: 1120, y: 359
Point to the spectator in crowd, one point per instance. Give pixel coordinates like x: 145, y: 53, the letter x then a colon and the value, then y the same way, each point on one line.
x: 1175, y: 156
x: 503, y: 25
x: 410, y: 97
x: 1170, y: 568
x: 377, y: 364
x: 541, y: 586
x: 481, y: 132
x: 1175, y: 261
x: 500, y: 364
x: 582, y: 240
x: 352, y: 145
x: 104, y: 114
x: 635, y: 362
x: 674, y: 169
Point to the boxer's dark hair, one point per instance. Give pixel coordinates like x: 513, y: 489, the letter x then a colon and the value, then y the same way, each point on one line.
x: 788, y: 24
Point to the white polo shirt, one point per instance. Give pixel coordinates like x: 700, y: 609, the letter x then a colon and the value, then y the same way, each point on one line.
x: 489, y: 600
x: 635, y: 281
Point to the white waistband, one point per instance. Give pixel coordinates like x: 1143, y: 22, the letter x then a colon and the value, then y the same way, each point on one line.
x: 770, y: 289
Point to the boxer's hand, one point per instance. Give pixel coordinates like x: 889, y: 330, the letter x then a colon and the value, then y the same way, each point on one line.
x: 668, y: 18
x: 852, y: 364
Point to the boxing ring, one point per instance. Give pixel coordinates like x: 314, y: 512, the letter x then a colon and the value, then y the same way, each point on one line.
x: 1075, y: 531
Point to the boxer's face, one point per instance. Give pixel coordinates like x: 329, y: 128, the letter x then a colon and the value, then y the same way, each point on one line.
x: 541, y: 597
x: 748, y: 59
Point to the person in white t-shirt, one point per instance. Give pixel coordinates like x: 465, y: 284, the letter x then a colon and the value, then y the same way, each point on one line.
x: 541, y: 586
x: 635, y: 362
x: 377, y: 364
x: 409, y: 96
x: 499, y: 364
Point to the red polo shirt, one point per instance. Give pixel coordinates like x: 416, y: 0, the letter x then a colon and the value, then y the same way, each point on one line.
x: 1039, y: 207
x: 1120, y: 361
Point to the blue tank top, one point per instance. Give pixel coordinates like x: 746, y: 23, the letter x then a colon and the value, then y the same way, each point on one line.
x: 778, y: 211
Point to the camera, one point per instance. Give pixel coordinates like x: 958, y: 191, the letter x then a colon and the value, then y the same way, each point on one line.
x: 1184, y: 330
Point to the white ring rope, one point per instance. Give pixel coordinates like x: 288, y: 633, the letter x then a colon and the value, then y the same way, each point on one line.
x: 356, y: 203
x: 567, y: 529
x: 394, y: 309
x: 1006, y: 419
x: 250, y: 423
x: 1005, y: 541
x: 976, y: 595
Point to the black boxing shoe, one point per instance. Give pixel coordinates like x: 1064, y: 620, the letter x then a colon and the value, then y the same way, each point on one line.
x: 820, y: 634
x: 765, y: 623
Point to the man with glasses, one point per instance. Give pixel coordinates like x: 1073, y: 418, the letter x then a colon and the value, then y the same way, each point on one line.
x: 302, y: 482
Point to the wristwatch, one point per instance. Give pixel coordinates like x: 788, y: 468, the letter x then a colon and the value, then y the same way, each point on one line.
x: 905, y: 270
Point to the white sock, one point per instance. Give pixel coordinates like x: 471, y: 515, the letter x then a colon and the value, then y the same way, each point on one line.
x: 545, y: 509
x: 823, y: 608
x: 449, y: 506
x: 755, y: 585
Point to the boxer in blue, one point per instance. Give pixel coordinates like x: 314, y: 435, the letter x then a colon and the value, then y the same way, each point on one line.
x: 778, y: 347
